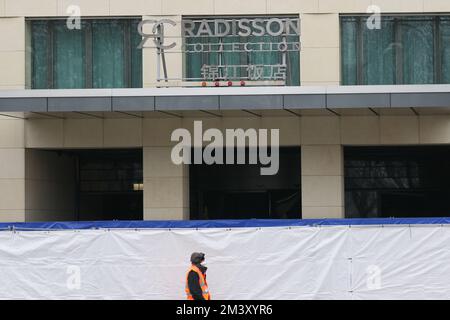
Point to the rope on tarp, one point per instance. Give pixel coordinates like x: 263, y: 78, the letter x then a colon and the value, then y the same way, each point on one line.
x: 230, y: 225
x: 371, y: 226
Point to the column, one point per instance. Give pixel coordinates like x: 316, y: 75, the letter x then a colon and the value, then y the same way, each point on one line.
x: 320, y: 53
x: 12, y: 152
x: 166, y: 185
x: 322, y: 168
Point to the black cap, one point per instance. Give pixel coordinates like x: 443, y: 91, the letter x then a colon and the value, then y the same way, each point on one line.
x: 197, y: 257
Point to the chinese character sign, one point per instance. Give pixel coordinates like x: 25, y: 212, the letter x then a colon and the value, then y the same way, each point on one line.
x: 251, y: 49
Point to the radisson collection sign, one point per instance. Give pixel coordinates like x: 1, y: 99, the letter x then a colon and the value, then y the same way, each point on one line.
x: 267, y: 40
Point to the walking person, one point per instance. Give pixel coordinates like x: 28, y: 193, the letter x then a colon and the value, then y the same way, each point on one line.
x: 196, y: 285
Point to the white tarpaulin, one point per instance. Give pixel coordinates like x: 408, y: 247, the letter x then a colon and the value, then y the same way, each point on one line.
x: 306, y: 262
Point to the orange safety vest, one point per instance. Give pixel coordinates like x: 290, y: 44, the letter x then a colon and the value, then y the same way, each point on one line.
x: 202, y: 282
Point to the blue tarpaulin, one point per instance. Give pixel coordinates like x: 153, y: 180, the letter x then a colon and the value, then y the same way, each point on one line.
x: 193, y: 224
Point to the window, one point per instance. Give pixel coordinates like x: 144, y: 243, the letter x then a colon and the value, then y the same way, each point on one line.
x: 406, y: 181
x: 239, y: 191
x: 102, y: 54
x: 242, y: 48
x: 405, y: 50
x: 108, y: 184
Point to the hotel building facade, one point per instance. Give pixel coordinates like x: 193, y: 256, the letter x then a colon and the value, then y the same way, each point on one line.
x: 87, y: 111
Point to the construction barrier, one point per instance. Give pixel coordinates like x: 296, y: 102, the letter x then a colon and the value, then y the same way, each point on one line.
x: 251, y: 259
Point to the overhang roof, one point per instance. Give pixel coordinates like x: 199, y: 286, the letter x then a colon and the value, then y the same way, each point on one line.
x: 331, y: 98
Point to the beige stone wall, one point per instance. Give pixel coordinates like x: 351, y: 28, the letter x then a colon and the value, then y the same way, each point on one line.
x: 176, y: 7
x: 319, y: 26
x: 49, y: 186
x: 322, y: 168
x: 84, y: 133
x: 166, y: 189
x: 166, y: 186
x: 12, y: 178
x: 12, y: 152
x: 322, y: 181
x: 320, y: 56
x: 12, y: 53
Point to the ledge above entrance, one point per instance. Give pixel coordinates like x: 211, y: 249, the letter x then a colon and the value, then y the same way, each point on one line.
x: 336, y: 99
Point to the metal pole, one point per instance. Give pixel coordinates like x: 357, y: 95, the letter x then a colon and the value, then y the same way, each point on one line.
x: 158, y: 65
x: 163, y: 57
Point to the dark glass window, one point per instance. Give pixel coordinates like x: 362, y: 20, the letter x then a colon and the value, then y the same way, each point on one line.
x: 102, y: 54
x: 397, y: 181
x: 239, y: 191
x: 110, y: 184
x: 405, y: 50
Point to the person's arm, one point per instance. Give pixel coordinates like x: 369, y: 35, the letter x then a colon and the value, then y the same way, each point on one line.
x: 194, y: 286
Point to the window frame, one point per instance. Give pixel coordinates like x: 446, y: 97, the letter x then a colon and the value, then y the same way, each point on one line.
x: 397, y: 20
x: 88, y: 36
